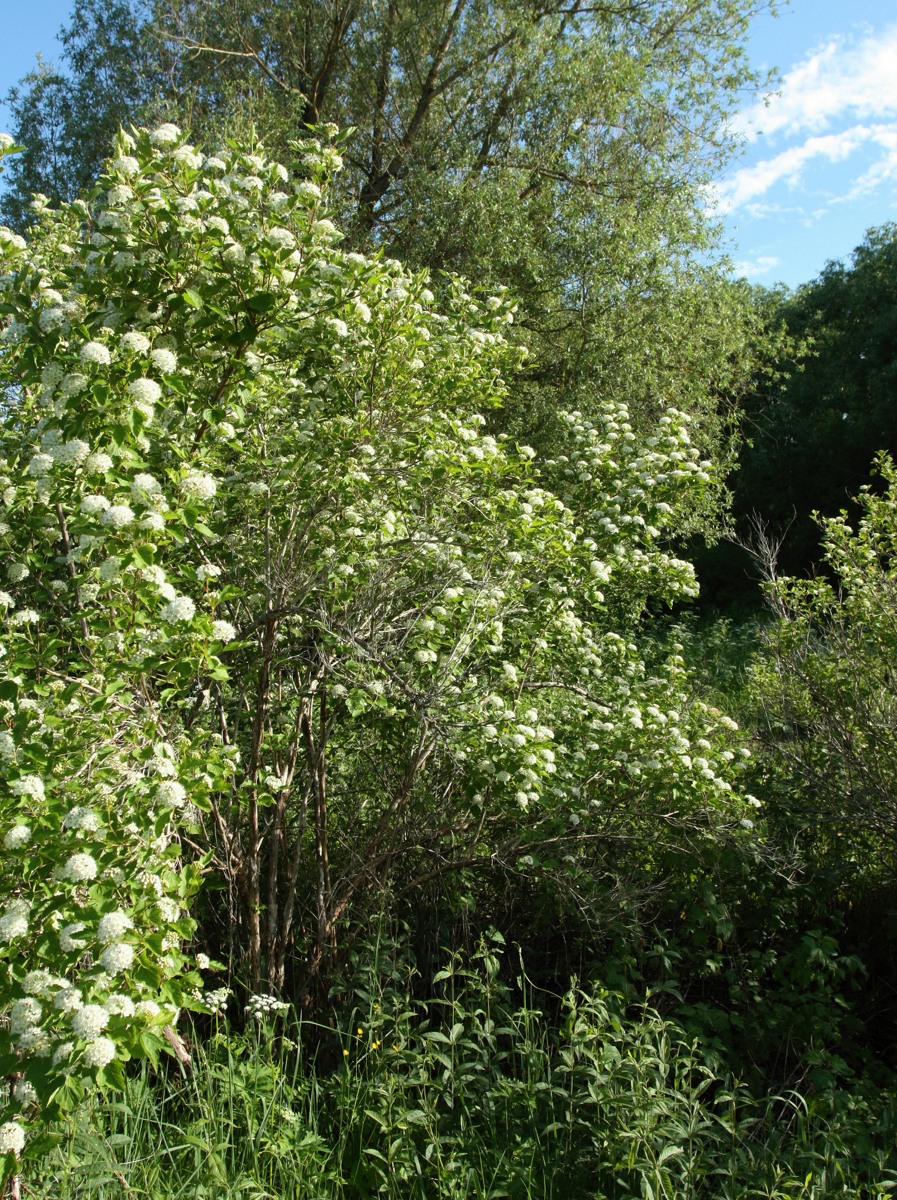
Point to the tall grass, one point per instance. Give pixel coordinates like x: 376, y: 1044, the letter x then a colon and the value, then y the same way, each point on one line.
x: 468, y: 1095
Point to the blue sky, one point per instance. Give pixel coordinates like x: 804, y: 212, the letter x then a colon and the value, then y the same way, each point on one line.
x: 820, y: 164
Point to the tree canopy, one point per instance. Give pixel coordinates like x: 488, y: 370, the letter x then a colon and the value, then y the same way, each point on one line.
x: 558, y: 150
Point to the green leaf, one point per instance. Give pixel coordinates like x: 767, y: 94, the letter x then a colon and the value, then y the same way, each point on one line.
x: 262, y: 302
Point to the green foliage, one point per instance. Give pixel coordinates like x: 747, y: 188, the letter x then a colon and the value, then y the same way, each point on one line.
x: 274, y: 591
x: 474, y: 1093
x: 67, y: 116
x: 470, y: 153
x: 816, y: 431
x: 825, y: 690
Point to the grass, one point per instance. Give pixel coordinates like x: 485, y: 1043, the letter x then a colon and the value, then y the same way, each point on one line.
x: 469, y: 1095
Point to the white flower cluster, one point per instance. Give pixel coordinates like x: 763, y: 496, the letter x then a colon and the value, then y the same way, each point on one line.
x: 82, y: 817
x: 216, y: 1000
x: 117, y: 516
x: 95, y: 353
x: 12, y: 1138
x: 165, y: 135
x: 113, y: 925
x: 181, y: 608
x: 198, y: 485
x: 165, y: 361
x: 79, y: 868
x: 14, y: 920
x: 144, y: 391
x: 171, y: 794
x: 17, y: 837
x: 261, y: 1006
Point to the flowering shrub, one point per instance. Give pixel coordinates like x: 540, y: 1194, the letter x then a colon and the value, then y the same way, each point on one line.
x: 270, y: 580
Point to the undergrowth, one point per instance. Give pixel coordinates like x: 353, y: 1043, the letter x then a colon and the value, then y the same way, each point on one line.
x: 486, y: 1091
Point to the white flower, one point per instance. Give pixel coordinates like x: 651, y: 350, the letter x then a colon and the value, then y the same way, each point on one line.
x: 25, y: 616
x: 51, y: 318
x: 6, y: 601
x: 63, y: 1053
x: 153, y: 574
x: 81, y: 817
x: 40, y: 464
x: 144, y: 486
x: 33, y: 1042
x: 117, y: 516
x: 171, y: 794
x: 100, y: 1052
x: 144, y: 391
x: 165, y: 135
x: 51, y: 375
x: 134, y: 343
x: 117, y: 957
x: 198, y: 486
x: 12, y: 1136
x: 326, y: 230
x: 203, y: 962
x: 110, y: 568
x: 169, y: 910
x: 38, y: 983
x: 24, y: 1093
x: 16, y: 572
x: 24, y: 1013
x: 147, y: 1009
x: 73, y: 385
x: 68, y: 1000
x: 181, y: 608
x: 13, y: 924
x: 340, y: 328
x: 281, y: 237
x: 28, y: 785
x: 308, y: 191
x: 186, y: 156
x: 73, y: 451
x: 17, y: 837
x: 207, y: 571
x: 118, y: 1005
x: 90, y: 1020
x: 223, y: 631
x: 154, y: 522
x: 95, y: 352
x: 125, y: 165
x: 79, y: 868
x: 68, y: 937
x: 165, y: 361
x: 98, y: 463
x: 91, y: 505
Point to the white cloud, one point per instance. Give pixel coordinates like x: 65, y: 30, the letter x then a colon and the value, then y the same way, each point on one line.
x: 756, y: 180
x: 841, y: 80
x: 762, y: 265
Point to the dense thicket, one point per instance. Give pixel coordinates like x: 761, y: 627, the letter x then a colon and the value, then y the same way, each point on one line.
x: 290, y: 611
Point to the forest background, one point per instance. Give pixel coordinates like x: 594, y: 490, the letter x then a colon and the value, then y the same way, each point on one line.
x: 527, y: 869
